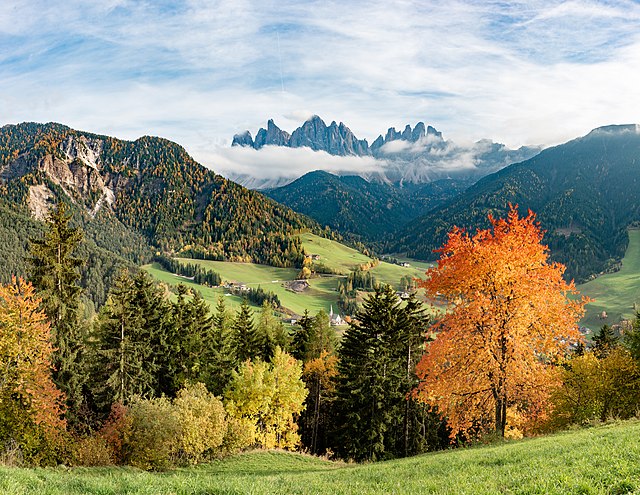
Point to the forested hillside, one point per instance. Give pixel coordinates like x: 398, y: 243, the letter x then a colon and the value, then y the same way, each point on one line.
x: 370, y: 210
x: 584, y: 193
x: 155, y: 190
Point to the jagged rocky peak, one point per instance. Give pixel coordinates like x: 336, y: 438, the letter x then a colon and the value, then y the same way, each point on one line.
x: 411, y: 135
x: 335, y: 139
x: 272, y: 135
x: 243, y: 139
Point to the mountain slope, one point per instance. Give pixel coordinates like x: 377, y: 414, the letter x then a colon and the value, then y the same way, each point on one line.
x: 350, y: 204
x: 150, y: 186
x: 585, y: 193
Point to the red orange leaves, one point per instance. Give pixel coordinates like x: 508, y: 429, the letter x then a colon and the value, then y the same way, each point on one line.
x: 510, y: 316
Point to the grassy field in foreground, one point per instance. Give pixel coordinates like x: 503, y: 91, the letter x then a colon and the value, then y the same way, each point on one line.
x: 598, y: 460
x: 617, y: 292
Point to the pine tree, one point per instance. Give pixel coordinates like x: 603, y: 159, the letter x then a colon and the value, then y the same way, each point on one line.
x: 55, y: 275
x: 247, y: 342
x: 220, y: 350
x: 189, y: 335
x: 131, y: 342
x: 605, y: 341
x: 301, y: 336
x: 376, y: 376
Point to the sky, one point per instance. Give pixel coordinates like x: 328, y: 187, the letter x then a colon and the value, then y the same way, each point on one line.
x: 199, y: 71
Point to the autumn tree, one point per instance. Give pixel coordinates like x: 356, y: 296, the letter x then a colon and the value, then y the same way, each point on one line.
x: 509, y: 318
x: 269, y: 395
x: 319, y: 375
x: 30, y: 404
x: 596, y: 386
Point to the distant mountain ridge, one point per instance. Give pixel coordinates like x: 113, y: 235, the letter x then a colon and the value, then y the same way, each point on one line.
x: 584, y: 192
x: 351, y: 205
x: 416, y: 155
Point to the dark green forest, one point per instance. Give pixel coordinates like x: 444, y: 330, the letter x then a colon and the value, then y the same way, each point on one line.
x: 583, y: 192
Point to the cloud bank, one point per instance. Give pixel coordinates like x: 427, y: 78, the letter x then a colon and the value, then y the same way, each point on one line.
x: 198, y: 71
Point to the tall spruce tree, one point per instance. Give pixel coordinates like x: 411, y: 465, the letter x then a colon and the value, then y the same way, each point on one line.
x: 220, y: 348
x: 54, y: 272
x: 247, y: 341
x: 189, y: 338
x: 376, y: 376
x: 131, y: 342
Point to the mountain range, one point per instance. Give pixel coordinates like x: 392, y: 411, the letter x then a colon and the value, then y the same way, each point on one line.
x: 414, y: 155
x: 136, y: 198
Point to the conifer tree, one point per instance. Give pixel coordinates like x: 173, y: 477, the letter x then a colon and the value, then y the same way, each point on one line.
x: 131, y: 342
x: 55, y: 275
x: 301, y: 336
x: 376, y: 376
x: 605, y: 341
x: 248, y: 344
x: 189, y: 337
x: 220, y: 350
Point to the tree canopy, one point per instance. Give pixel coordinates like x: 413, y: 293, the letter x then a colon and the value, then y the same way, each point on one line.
x: 509, y: 318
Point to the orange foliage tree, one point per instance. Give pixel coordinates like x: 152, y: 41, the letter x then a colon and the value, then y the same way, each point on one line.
x: 27, y: 392
x: 508, y: 321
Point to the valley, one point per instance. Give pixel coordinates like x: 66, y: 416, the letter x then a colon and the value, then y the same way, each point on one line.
x: 615, y: 294
x: 322, y: 291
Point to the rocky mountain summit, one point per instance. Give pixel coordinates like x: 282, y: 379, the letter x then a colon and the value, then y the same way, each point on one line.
x: 414, y: 155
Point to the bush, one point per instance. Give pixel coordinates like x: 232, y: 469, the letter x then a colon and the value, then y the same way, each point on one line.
x: 201, y: 417
x: 92, y: 451
x: 240, y: 434
x: 155, y: 432
x: 116, y: 432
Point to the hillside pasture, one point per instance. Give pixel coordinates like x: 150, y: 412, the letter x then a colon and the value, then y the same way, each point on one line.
x: 615, y: 293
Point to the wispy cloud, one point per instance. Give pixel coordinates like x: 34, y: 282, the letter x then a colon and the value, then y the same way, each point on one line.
x: 198, y: 71
x: 288, y: 163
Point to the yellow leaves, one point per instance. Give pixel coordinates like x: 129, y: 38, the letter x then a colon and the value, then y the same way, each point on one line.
x: 323, y: 368
x: 202, y: 421
x: 509, y: 317
x: 270, y: 395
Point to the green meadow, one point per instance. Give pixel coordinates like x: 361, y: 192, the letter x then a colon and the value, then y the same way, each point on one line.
x: 615, y: 293
x: 598, y: 460
x: 321, y: 293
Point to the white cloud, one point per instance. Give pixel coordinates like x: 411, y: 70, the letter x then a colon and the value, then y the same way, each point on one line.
x: 288, y: 163
x: 199, y: 71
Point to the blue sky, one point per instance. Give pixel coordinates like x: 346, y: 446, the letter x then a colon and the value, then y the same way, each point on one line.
x: 528, y: 72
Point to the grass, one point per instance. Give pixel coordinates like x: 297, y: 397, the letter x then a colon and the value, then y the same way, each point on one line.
x: 321, y: 294
x: 615, y: 293
x: 601, y: 460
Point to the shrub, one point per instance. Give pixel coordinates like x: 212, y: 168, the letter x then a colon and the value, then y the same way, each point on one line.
x: 92, y: 451
x: 240, y: 434
x: 201, y: 417
x: 155, y: 431
x: 117, y: 431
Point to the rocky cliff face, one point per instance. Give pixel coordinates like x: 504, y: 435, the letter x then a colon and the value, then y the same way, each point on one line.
x: 76, y: 168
